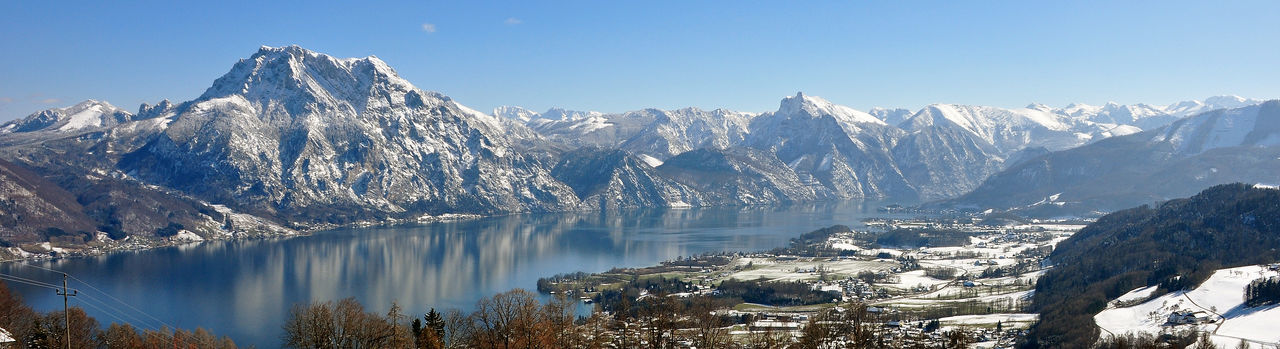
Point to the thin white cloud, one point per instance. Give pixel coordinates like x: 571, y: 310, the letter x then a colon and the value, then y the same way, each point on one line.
x: 512, y: 21
x: 6, y: 100
x: 50, y: 101
x: 428, y: 27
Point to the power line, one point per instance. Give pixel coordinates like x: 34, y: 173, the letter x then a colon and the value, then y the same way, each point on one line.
x: 112, y: 315
x: 27, y: 281
x: 132, y: 319
x: 173, y: 329
x: 88, y: 296
x: 66, y: 316
x: 104, y: 293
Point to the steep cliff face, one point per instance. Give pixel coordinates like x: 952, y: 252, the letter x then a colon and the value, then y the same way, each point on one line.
x: 845, y: 150
x: 740, y: 176
x: 613, y: 179
x: 308, y: 136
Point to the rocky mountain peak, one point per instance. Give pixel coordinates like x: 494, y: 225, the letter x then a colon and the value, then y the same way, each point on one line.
x: 301, y: 79
x: 815, y: 107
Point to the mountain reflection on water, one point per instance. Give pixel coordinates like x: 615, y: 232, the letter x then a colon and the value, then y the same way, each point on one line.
x: 244, y: 289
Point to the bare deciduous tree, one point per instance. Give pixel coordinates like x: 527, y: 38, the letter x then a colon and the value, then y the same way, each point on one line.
x: 344, y: 324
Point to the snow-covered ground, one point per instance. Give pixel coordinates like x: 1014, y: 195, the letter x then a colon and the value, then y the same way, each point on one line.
x: 5, y: 337
x: 917, y: 278
x: 1221, y: 297
x: 989, y: 319
x: 786, y: 271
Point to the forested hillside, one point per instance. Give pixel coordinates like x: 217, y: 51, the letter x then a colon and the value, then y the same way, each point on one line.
x: 1176, y: 245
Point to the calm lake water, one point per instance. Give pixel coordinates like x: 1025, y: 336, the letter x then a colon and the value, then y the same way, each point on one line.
x: 244, y: 289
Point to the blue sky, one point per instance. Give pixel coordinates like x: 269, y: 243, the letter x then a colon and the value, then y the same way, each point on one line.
x: 616, y: 56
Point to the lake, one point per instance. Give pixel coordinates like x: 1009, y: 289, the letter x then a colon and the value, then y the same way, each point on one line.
x: 244, y: 289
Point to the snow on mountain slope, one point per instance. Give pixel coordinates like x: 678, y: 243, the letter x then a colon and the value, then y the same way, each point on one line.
x: 1188, y: 108
x: 1221, y: 298
x: 739, y: 176
x: 677, y: 131
x: 1148, y: 117
x: 612, y: 179
x: 1008, y: 130
x: 86, y: 115
x: 1111, y: 112
x: 565, y: 114
x: 890, y: 116
x: 1256, y: 125
x: 817, y: 106
x: 847, y: 151
x: 1224, y: 146
x: 653, y: 132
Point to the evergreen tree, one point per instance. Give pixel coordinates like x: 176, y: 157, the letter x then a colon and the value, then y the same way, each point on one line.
x: 435, y: 322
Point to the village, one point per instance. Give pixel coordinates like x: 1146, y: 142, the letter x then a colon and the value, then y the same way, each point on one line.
x: 919, y: 281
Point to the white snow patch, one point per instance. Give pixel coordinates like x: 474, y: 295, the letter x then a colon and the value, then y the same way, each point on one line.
x: 90, y: 117
x: 845, y: 246
x: 1138, y: 294
x: 652, y: 161
x: 187, y: 235
x: 989, y: 319
x: 1266, y: 186
x: 6, y: 337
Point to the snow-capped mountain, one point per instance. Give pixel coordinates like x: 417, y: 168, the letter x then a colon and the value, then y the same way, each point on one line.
x: 613, y: 178
x: 60, y: 123
x: 1188, y: 108
x: 291, y: 132
x: 1006, y: 130
x: 677, y: 131
x: 1221, y: 146
x: 89, y: 114
x: 739, y: 176
x: 846, y: 150
x: 943, y: 162
x: 1250, y: 126
x: 560, y: 114
x: 515, y: 113
x: 655, y: 133
x: 1145, y: 116
x: 298, y: 137
x: 893, y: 116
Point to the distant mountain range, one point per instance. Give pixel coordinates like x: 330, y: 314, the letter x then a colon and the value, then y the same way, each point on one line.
x: 303, y: 139
x: 1220, y: 146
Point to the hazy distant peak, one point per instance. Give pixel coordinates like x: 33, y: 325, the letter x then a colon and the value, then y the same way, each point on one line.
x: 88, y: 114
x: 515, y: 113
x: 565, y: 114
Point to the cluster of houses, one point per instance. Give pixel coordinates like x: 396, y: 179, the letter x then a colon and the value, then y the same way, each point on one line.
x: 892, y: 331
x: 914, y: 336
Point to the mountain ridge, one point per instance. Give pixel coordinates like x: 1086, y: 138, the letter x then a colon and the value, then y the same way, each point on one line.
x: 303, y: 139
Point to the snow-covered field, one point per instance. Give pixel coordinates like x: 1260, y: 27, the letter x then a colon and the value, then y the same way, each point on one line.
x: 786, y: 271
x: 1221, y: 297
x: 1017, y: 320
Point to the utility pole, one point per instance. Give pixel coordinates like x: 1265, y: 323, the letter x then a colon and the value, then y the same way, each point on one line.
x: 66, y: 316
